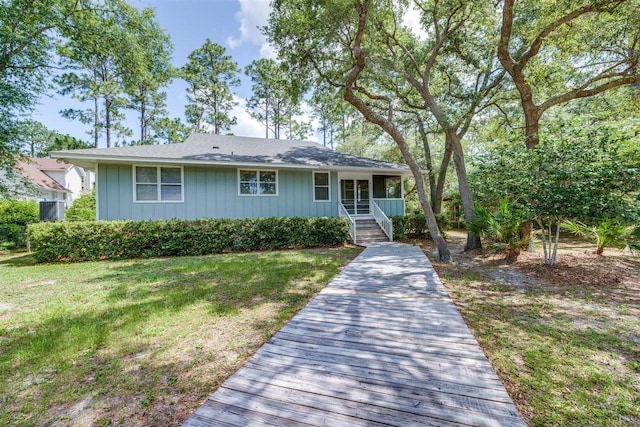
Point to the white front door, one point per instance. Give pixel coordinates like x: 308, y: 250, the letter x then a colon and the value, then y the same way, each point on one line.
x: 355, y: 195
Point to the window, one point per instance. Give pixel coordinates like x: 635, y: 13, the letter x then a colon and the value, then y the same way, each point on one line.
x: 157, y: 184
x: 393, y: 187
x: 258, y: 182
x: 321, y: 187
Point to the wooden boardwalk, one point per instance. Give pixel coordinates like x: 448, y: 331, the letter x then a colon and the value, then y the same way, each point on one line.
x: 382, y: 344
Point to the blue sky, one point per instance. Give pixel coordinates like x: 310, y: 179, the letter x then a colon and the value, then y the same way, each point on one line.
x: 230, y: 23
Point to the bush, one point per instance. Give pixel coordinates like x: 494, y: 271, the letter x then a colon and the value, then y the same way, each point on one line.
x: 14, y: 217
x: 12, y: 236
x: 19, y: 212
x: 83, y: 241
x: 83, y: 209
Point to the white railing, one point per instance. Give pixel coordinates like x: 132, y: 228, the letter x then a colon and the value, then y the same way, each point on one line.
x: 383, y: 221
x: 342, y: 212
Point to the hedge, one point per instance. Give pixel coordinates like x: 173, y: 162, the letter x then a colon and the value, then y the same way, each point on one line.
x: 84, y: 241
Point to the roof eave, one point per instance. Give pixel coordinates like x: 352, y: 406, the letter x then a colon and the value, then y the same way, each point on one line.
x: 89, y: 161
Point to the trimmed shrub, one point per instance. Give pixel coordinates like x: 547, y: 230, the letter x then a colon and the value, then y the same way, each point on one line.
x: 84, y: 241
x: 83, y: 209
x: 19, y: 212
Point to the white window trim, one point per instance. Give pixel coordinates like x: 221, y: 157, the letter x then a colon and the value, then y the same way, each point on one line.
x: 159, y: 200
x: 258, y: 170
x: 313, y: 186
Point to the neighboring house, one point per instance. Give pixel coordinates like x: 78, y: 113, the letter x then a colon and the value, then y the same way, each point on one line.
x: 54, y: 184
x: 214, y: 176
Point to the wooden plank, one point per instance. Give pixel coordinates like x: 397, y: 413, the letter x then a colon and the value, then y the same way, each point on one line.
x: 428, y: 354
x: 332, y: 405
x: 415, y: 336
x: 263, y: 404
x: 442, y: 332
x: 215, y: 413
x: 423, y: 342
x: 419, y: 373
x: 386, y: 358
x: 442, y: 406
x: 377, y: 376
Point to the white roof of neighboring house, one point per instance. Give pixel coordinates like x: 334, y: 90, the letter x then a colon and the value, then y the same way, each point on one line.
x: 33, y: 174
x: 209, y: 149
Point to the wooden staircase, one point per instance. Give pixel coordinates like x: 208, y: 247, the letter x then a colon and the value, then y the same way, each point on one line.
x: 368, y: 231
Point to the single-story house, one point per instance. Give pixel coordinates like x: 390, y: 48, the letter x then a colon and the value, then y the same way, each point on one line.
x: 215, y: 176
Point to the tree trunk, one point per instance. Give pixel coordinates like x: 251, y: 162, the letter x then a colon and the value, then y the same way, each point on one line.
x: 429, y: 163
x: 442, y: 178
x: 391, y: 130
x: 107, y: 120
x: 473, y: 241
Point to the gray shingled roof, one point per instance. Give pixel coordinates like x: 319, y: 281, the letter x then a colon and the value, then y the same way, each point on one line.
x: 232, y: 150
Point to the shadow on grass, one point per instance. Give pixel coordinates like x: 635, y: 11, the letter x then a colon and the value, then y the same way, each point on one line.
x: 143, y: 289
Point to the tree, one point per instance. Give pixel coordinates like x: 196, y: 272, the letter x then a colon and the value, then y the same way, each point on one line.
x: 276, y: 100
x: 556, y: 52
x: 170, y: 131
x: 333, y: 43
x: 122, y: 53
x: 583, y: 173
x: 29, y: 31
x: 210, y: 74
x: 149, y: 58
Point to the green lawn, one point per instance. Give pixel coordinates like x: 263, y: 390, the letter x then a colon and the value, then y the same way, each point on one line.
x: 141, y: 342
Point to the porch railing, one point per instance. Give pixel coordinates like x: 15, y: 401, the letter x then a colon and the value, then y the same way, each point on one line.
x: 342, y: 212
x: 383, y: 221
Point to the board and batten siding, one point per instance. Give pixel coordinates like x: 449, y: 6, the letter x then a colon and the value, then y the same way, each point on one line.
x: 212, y: 192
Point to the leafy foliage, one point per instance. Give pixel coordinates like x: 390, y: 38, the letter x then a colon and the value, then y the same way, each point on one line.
x: 20, y: 212
x: 586, y: 172
x: 501, y: 226
x: 83, y: 241
x: 276, y: 100
x: 210, y: 74
x: 606, y: 234
x: 14, y: 217
x: 83, y: 209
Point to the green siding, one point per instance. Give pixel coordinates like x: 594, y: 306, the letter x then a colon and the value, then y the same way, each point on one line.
x: 212, y: 192
x: 391, y: 207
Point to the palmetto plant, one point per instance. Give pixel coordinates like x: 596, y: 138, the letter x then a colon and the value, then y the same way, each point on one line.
x: 501, y: 226
x: 605, y: 234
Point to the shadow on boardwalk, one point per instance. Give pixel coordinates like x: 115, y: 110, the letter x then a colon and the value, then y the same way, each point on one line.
x: 382, y: 344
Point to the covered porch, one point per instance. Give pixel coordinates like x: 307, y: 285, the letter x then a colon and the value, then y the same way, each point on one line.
x: 367, y: 199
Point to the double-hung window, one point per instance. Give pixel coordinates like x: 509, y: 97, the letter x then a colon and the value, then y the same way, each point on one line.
x: 157, y: 184
x: 321, y: 187
x: 254, y: 182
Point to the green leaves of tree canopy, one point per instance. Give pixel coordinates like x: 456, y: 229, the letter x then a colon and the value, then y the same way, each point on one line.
x: 210, y: 74
x: 121, y: 57
x: 276, y: 100
x: 582, y: 173
x: 558, y: 51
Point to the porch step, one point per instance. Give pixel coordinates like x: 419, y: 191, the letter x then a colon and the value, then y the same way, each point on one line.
x: 368, y: 231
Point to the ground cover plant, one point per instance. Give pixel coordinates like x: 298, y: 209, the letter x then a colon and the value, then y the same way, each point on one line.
x: 141, y: 342
x: 564, y: 339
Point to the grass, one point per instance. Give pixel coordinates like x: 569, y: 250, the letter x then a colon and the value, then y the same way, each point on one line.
x: 568, y: 353
x: 141, y: 342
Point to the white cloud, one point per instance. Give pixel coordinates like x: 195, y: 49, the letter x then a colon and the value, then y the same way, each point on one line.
x: 247, y: 125
x: 252, y: 15
x: 268, y: 51
x: 411, y: 20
